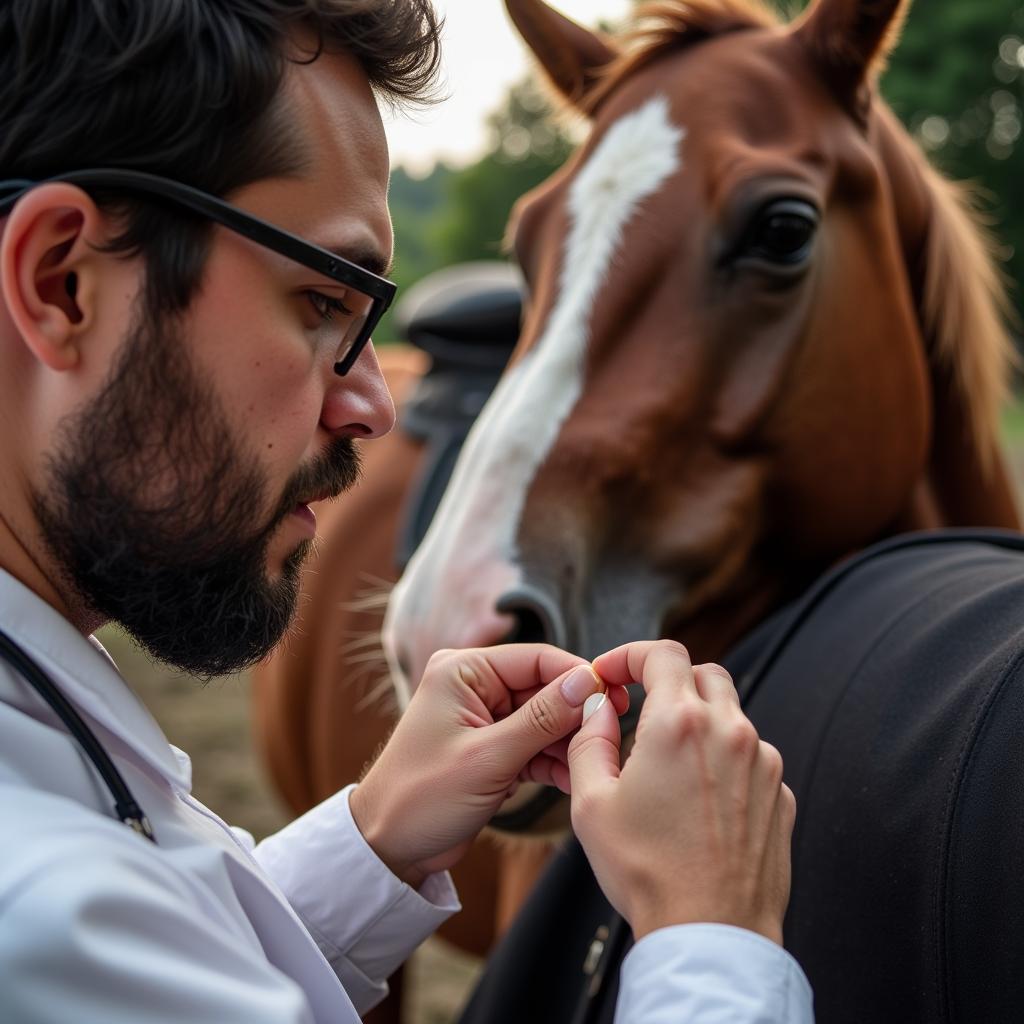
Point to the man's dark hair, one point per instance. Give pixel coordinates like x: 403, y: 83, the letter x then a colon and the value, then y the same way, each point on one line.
x: 186, y: 89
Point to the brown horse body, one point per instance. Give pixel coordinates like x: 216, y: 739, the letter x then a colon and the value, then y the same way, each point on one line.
x: 703, y: 414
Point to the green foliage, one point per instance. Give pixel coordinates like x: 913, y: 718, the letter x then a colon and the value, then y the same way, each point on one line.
x: 481, y: 198
x: 1013, y: 423
x: 957, y: 81
x: 417, y: 205
x: 526, y: 146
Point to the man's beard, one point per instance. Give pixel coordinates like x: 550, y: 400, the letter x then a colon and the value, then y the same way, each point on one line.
x: 152, y: 513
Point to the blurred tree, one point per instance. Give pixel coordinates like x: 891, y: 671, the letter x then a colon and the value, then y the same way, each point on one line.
x: 526, y: 145
x: 417, y: 203
x: 454, y: 215
x: 957, y: 81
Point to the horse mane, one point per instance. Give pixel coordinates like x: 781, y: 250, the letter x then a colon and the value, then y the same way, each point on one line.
x: 667, y: 26
x: 963, y: 306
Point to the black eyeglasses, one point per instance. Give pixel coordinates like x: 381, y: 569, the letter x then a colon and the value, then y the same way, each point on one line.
x: 369, y: 294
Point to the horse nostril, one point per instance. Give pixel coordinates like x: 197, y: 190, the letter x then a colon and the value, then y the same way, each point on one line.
x: 537, y: 617
x: 529, y: 628
x: 402, y: 661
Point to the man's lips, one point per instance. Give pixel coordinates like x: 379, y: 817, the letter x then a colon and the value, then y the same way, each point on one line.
x: 305, y: 514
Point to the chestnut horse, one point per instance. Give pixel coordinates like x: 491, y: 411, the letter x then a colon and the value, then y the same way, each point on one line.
x: 763, y: 334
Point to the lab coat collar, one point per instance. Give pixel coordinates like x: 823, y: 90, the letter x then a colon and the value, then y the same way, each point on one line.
x: 88, y: 678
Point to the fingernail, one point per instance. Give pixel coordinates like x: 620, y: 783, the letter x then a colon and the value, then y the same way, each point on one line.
x: 594, y: 703
x: 579, y: 685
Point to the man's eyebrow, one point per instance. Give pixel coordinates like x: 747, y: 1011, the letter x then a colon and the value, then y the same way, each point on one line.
x: 369, y: 257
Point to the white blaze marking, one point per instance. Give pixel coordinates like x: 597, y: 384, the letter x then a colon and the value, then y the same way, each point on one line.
x: 475, y: 527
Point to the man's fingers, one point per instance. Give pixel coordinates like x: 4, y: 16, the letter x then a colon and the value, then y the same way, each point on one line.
x: 498, y: 675
x: 663, y: 666
x: 619, y: 697
x: 624, y: 665
x: 715, y: 685
x: 594, y: 750
x: 541, y: 769
x: 559, y: 751
x: 544, y: 719
x: 522, y: 666
x: 787, y: 811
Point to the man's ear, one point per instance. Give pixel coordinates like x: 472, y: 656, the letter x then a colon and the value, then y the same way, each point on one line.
x: 47, y: 271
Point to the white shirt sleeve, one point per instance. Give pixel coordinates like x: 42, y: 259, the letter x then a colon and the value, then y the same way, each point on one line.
x: 113, y: 936
x: 702, y: 973
x: 364, y: 919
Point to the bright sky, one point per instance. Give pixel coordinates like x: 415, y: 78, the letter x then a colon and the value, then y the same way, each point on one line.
x: 483, y: 55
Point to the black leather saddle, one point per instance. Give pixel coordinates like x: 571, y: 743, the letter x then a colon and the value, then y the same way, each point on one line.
x: 895, y: 690
x: 466, y: 318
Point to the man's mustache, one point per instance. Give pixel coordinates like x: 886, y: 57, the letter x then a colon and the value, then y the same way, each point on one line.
x: 337, y: 470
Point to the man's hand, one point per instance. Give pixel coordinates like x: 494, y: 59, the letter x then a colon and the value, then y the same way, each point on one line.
x: 479, y: 723
x: 696, y: 825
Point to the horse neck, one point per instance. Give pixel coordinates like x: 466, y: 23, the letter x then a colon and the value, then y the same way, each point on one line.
x: 966, y: 481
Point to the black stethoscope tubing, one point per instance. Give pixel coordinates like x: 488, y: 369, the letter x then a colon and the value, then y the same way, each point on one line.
x: 126, y: 807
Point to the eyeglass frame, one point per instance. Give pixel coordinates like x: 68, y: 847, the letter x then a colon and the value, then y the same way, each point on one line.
x: 379, y: 289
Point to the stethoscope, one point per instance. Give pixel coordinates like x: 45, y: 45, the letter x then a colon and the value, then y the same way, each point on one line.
x: 126, y: 807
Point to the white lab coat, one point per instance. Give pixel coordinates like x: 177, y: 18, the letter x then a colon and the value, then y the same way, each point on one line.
x: 99, y: 926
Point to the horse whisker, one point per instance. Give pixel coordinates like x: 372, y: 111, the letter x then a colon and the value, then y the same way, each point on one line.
x: 368, y: 603
x: 367, y: 656
x: 382, y: 694
x: 371, y: 640
x: 378, y: 581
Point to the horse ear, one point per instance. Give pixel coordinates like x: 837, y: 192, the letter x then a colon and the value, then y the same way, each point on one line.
x: 849, y: 40
x: 570, y: 54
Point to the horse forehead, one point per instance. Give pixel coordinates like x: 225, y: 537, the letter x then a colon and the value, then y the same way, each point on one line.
x: 620, y: 176
x: 757, y: 85
x: 746, y: 100
x: 630, y: 161
x: 752, y: 70
x: 570, y: 229
x: 740, y: 101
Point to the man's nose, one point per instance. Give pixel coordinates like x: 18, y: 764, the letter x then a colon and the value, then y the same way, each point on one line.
x: 359, y: 404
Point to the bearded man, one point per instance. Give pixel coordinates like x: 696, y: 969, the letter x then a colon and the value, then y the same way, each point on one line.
x: 193, y: 197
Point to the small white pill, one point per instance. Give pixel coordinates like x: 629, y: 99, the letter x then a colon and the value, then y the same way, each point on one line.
x: 593, y: 704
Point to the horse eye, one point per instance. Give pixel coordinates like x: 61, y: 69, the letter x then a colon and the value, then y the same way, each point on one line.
x: 782, y: 232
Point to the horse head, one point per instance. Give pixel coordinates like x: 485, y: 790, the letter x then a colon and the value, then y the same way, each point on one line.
x: 761, y: 333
